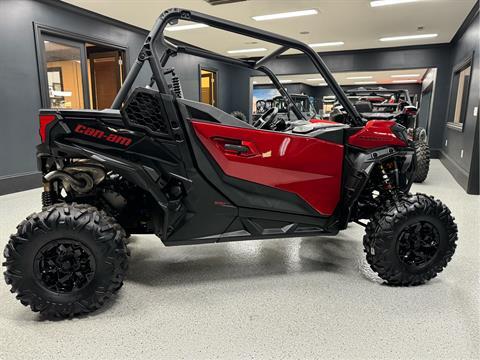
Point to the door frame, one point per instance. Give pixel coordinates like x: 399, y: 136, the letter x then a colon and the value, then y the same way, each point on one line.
x: 40, y: 31
x: 100, y: 55
x: 217, y: 83
x: 428, y: 89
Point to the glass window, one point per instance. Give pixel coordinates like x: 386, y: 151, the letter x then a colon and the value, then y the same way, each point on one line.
x: 461, y: 81
x: 64, y: 75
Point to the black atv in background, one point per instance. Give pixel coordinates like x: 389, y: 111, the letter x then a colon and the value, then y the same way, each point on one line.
x: 384, y: 104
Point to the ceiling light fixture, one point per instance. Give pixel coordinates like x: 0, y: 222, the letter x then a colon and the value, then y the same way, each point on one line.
x: 285, y: 15
x: 285, y: 81
x: 404, y: 75
x: 332, y: 43
x: 240, y: 51
x: 185, y: 27
x: 377, y: 3
x: 408, y: 37
x: 359, y: 77
x: 322, y: 84
x: 315, y: 79
x: 404, y: 81
x: 364, y: 82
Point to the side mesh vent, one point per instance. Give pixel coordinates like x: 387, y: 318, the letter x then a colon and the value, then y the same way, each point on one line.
x: 143, y: 109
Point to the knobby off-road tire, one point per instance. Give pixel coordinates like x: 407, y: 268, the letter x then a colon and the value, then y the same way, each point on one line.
x: 66, y: 260
x: 420, y: 134
x: 422, y: 153
x: 409, y: 241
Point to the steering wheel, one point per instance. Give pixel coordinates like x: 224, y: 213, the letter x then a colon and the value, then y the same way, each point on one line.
x: 266, y: 120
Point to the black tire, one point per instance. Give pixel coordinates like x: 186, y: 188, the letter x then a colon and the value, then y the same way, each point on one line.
x: 239, y: 115
x: 422, y: 153
x: 388, y: 240
x: 48, y: 245
x: 420, y: 134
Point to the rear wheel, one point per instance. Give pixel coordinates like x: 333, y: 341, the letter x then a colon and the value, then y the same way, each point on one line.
x: 420, y: 134
x: 422, y: 153
x: 411, y: 240
x: 67, y: 260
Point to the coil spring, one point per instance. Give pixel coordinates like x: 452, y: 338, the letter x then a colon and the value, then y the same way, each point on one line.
x: 177, y: 87
x: 48, y: 198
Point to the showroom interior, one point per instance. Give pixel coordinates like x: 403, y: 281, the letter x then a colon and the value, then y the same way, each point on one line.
x: 307, y: 297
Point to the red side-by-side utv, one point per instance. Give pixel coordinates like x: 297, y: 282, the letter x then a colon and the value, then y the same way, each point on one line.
x: 156, y: 163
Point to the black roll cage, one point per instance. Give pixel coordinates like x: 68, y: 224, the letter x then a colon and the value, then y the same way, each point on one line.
x: 150, y: 52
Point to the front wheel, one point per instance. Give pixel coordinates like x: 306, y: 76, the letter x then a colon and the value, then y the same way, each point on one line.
x: 422, y: 154
x: 411, y: 240
x: 67, y: 260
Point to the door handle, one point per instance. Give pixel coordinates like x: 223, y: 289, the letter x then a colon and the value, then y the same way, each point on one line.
x: 241, y: 149
x: 236, y: 147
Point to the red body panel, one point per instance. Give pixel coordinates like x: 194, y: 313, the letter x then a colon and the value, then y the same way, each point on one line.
x: 324, y: 121
x: 308, y: 167
x: 376, y: 134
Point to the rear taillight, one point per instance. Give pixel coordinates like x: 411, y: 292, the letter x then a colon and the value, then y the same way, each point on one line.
x: 44, y: 121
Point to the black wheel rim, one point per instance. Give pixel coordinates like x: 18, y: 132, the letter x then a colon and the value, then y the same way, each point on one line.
x: 418, y: 244
x: 64, y: 266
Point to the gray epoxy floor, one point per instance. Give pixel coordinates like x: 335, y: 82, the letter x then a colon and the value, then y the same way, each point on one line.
x: 277, y: 299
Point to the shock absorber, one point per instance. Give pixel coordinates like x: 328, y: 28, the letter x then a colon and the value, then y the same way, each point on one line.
x: 387, y: 185
x: 177, y: 87
x: 48, y: 196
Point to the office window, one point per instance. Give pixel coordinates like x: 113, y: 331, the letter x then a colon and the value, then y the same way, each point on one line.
x: 64, y: 75
x: 459, y: 94
x: 77, y: 74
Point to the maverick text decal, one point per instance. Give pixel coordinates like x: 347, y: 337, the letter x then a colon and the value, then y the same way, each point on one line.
x: 99, y: 134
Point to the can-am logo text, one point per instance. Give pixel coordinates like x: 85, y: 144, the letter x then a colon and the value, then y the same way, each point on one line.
x: 100, y: 134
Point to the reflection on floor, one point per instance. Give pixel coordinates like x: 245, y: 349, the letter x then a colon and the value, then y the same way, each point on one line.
x: 302, y: 298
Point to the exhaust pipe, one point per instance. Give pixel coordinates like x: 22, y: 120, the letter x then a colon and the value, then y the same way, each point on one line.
x: 80, y: 178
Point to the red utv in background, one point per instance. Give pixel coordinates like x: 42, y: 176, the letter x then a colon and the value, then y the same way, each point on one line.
x: 384, y: 104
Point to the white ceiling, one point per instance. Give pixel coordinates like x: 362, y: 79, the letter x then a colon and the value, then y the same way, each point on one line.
x: 345, y: 78
x: 354, y: 22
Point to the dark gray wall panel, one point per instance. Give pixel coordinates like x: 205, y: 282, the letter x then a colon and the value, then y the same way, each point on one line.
x: 457, y: 141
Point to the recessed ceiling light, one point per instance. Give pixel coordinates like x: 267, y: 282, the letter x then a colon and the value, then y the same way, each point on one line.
x: 246, y: 50
x: 332, y: 43
x: 185, y: 27
x: 285, y: 81
x: 254, y: 82
x: 405, y: 75
x: 322, y: 84
x: 404, y: 81
x: 408, y: 37
x: 315, y: 79
x: 389, y: 2
x: 285, y: 15
x: 359, y: 77
x: 364, y: 82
